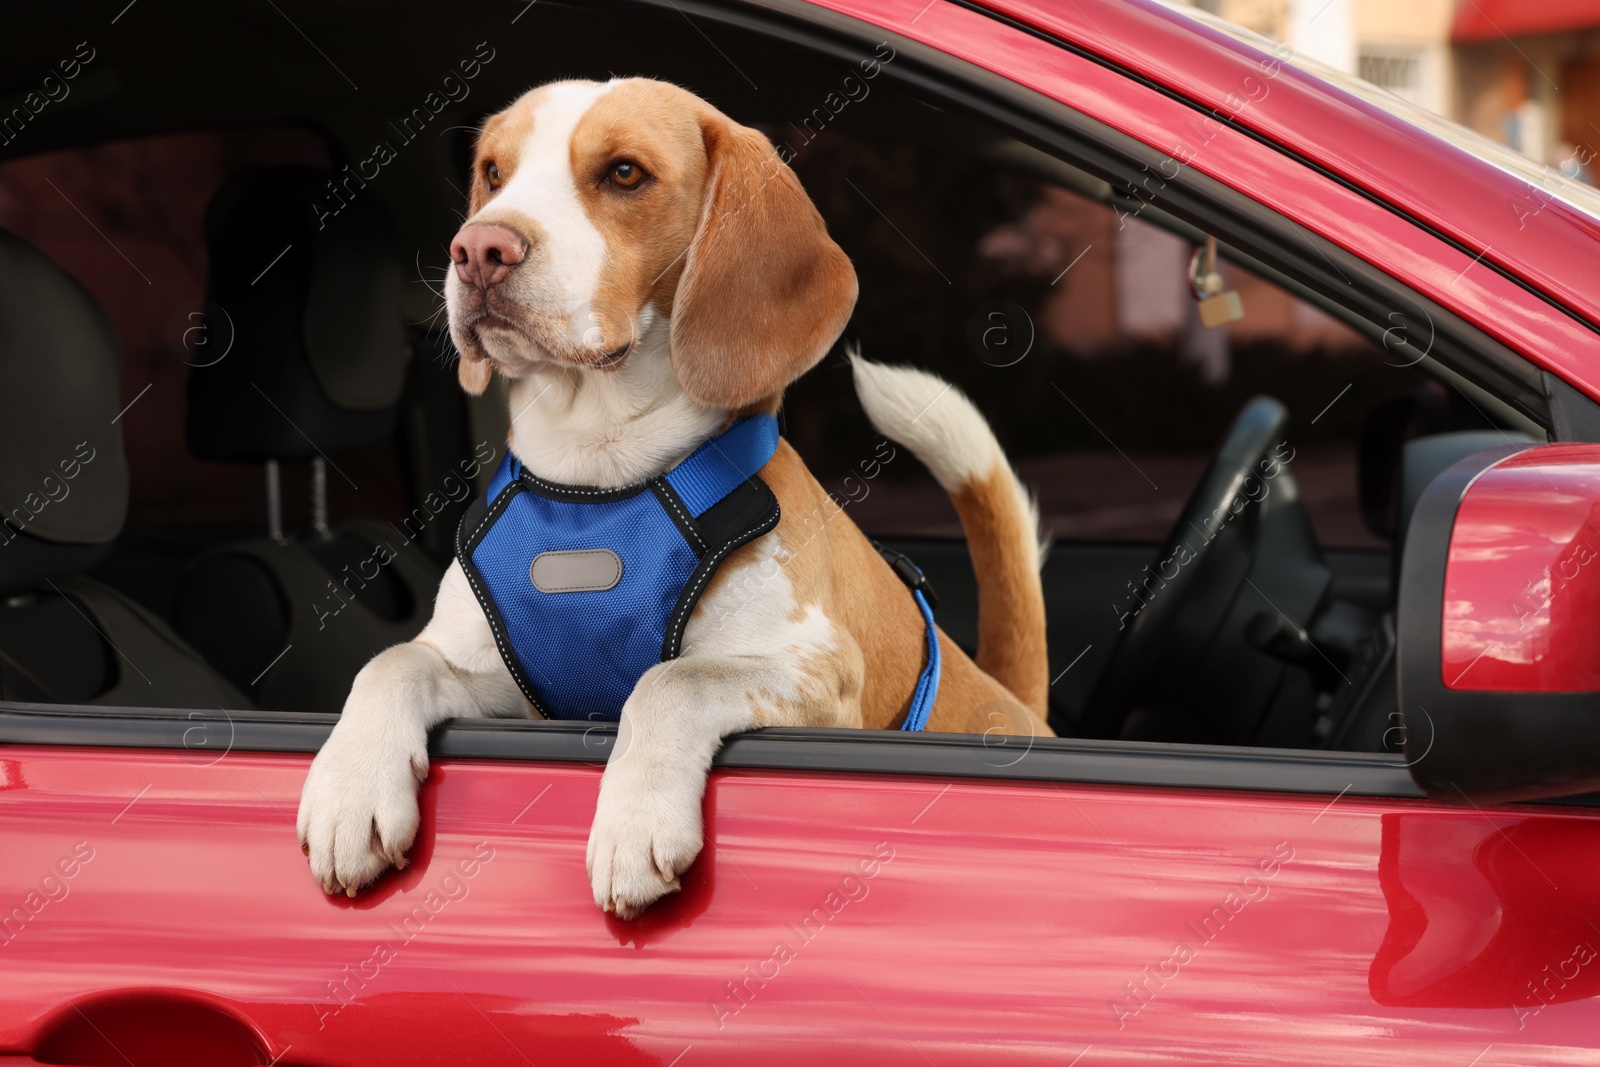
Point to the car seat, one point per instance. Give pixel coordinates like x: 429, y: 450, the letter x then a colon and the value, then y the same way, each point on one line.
x: 66, y: 638
x: 305, y: 291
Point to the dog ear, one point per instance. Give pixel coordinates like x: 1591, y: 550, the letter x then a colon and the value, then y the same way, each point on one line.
x: 474, y: 374
x: 764, y: 291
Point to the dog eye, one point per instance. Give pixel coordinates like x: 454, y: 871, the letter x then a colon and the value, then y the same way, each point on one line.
x: 625, y: 174
x: 491, y: 174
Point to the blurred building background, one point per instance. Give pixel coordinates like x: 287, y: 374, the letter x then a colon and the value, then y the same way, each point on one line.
x: 1524, y: 72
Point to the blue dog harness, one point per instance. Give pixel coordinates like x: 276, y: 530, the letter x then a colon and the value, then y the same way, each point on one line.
x: 586, y: 589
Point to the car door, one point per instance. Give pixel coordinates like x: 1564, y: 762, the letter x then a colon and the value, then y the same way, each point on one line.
x: 915, y: 899
x: 1005, y: 904
x: 1002, y: 905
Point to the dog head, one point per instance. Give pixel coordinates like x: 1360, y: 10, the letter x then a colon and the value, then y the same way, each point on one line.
x: 599, y: 211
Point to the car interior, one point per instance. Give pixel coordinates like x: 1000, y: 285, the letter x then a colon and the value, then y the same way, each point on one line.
x: 224, y: 287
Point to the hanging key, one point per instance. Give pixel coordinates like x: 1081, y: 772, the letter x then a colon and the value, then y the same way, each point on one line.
x: 1218, y: 305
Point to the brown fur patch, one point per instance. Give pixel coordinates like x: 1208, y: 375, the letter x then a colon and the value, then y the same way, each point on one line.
x: 500, y: 142
x: 1011, y: 617
x: 647, y: 229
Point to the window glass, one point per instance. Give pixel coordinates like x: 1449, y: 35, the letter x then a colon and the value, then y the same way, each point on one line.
x: 1075, y: 329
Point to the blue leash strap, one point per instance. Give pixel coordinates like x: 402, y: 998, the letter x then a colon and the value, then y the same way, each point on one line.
x: 927, y: 690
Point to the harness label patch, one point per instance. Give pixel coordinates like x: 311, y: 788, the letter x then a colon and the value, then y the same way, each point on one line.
x: 585, y: 570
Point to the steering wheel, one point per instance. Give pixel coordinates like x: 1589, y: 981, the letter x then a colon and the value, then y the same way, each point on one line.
x: 1190, y: 638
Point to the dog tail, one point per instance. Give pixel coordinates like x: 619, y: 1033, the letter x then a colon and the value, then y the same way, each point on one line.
x: 949, y: 435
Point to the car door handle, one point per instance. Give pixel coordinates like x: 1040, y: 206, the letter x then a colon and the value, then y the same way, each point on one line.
x: 162, y: 1028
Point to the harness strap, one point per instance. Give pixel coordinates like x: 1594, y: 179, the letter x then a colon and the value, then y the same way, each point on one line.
x: 719, y: 466
x: 927, y: 690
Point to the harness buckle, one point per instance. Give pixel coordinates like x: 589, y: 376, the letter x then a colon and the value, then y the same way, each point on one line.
x: 909, y: 573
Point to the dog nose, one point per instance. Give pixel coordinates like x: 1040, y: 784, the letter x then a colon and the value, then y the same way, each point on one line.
x: 484, y: 254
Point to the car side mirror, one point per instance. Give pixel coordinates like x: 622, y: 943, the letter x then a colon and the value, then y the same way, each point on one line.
x: 1498, y: 643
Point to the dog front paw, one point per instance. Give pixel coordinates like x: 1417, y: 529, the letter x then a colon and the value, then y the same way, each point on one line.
x: 358, y: 809
x: 642, y: 839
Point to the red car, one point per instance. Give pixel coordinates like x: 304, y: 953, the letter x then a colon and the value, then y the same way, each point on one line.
x: 1319, y: 790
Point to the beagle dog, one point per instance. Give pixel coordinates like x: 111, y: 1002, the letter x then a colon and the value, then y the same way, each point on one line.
x: 646, y: 273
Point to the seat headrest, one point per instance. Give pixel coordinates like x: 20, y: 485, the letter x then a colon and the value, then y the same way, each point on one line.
x: 308, y: 277
x: 63, y: 476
